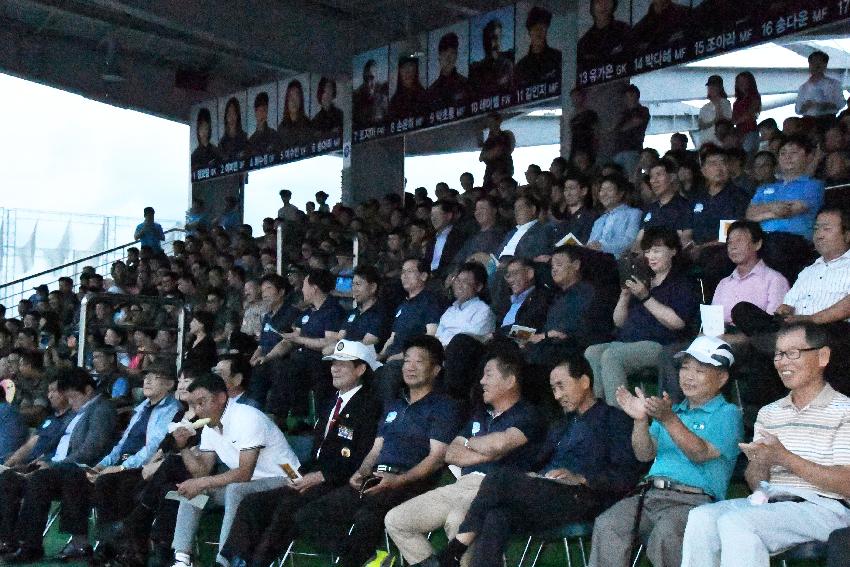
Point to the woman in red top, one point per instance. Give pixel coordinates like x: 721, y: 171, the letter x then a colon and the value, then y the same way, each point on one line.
x: 745, y: 111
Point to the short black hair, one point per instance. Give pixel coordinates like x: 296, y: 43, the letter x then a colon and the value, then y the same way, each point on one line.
x: 818, y: 55
x: 448, y: 41
x: 278, y: 281
x: 661, y: 235
x: 538, y: 15
x: 800, y: 140
x: 842, y: 213
x: 210, y: 382
x: 668, y: 164
x: 430, y: 344
x: 509, y: 363
x: 262, y: 99
x: 74, y: 378
x: 421, y: 265
x: 323, y: 279
x: 149, y: 211
x: 207, y: 320
x: 239, y: 365
x: 816, y: 335
x: 754, y: 228
x: 571, y: 250
x: 580, y: 178
x: 368, y: 273
x: 479, y: 273
x: 632, y: 89
x: 577, y: 366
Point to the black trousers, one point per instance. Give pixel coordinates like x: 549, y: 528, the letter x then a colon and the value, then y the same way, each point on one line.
x: 63, y: 481
x: 265, y: 523
x: 388, y: 382
x: 113, y: 495
x: 787, y: 253
x: 511, y: 502
x: 839, y: 548
x: 303, y: 371
x: 12, y: 486
x: 326, y: 521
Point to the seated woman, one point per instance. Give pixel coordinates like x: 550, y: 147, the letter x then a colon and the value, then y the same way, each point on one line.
x: 648, y: 315
x: 367, y: 322
x: 617, y: 228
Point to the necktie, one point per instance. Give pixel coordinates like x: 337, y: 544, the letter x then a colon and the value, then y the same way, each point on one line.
x: 335, y: 415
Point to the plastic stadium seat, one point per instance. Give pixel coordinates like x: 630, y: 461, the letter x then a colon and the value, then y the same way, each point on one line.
x: 576, y: 531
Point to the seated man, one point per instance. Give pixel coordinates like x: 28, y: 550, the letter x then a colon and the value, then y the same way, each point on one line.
x: 694, y: 445
x: 264, y: 524
x: 146, y: 430
x: 448, y: 238
x: 267, y: 360
x: 489, y: 236
x: 305, y: 370
x: 583, y: 473
x: 504, y: 434
x: 13, y: 428
x: 799, y: 467
x: 751, y: 280
x: 85, y: 441
x: 41, y: 444
x: 419, y: 314
x: 469, y: 314
x: 111, y: 380
x: 235, y: 370
x: 405, y: 461
x: 786, y: 209
x: 251, y: 447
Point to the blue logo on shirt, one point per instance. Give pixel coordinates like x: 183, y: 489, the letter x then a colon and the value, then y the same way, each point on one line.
x: 391, y: 417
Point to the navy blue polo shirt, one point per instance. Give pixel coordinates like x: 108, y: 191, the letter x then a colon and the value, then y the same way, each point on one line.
x: 49, y: 433
x: 568, y: 309
x: 315, y: 322
x: 359, y: 323
x: 677, y: 292
x: 606, y: 461
x: 412, y: 316
x: 521, y: 415
x: 407, y: 429
x: 676, y: 214
x: 730, y: 204
x: 281, y: 321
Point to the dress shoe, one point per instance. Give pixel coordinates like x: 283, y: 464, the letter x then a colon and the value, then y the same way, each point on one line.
x: 72, y: 552
x: 24, y: 555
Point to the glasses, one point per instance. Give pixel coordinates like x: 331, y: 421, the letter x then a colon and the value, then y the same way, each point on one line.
x: 793, y: 354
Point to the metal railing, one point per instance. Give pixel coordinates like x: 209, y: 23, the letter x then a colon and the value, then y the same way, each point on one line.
x: 14, y: 291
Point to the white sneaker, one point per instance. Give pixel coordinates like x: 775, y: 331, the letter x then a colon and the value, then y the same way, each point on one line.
x: 182, y: 560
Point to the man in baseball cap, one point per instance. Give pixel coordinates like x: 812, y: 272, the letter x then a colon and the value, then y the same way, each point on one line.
x: 353, y: 350
x: 710, y: 350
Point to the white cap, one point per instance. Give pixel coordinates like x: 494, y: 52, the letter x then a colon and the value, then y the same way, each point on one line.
x: 710, y: 350
x: 353, y: 350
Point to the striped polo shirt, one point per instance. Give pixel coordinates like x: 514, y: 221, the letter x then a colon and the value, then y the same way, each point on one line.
x: 821, y: 285
x: 819, y: 432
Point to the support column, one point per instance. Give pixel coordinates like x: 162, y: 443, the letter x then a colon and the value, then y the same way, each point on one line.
x: 568, y: 75
x: 377, y: 168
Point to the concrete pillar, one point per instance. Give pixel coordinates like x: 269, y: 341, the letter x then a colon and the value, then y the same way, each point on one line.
x: 377, y: 168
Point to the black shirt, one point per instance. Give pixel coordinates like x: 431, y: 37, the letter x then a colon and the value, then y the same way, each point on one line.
x: 631, y: 140
x: 730, y: 204
x: 263, y: 141
x: 412, y: 317
x: 675, y: 214
x: 583, y: 132
x: 359, y: 323
x: 328, y: 121
x: 523, y: 416
x: 540, y: 67
x: 600, y: 46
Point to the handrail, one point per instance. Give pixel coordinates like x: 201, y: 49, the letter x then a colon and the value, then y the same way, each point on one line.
x: 80, y: 260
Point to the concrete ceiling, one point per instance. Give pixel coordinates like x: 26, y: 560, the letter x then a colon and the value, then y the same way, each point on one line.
x: 170, y: 54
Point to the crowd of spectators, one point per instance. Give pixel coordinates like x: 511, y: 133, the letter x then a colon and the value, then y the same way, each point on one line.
x: 496, y: 329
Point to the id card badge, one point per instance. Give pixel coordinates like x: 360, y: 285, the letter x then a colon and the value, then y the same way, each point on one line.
x: 345, y: 433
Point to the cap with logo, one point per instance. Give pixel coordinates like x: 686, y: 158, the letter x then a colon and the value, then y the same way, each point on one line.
x: 353, y: 350
x: 710, y: 350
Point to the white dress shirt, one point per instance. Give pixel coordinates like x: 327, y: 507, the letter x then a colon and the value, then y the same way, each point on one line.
x: 473, y: 317
x: 510, y: 247
x: 821, y: 285
x: 826, y: 89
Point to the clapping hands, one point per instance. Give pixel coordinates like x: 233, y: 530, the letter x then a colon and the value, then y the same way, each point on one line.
x: 639, y: 407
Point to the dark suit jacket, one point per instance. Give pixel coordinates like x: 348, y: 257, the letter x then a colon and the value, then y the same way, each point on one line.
x: 454, y: 242
x: 537, y: 241
x: 95, y: 433
x: 532, y: 312
x: 340, y: 457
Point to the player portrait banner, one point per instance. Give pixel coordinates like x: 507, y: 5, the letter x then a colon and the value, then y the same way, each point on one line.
x: 626, y: 38
x: 498, y: 60
x: 272, y: 124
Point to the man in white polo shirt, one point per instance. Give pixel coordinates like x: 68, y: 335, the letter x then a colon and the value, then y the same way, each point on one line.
x: 799, y: 467
x: 249, y: 444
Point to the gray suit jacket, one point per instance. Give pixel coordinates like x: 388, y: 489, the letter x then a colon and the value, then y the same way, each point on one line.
x: 95, y: 433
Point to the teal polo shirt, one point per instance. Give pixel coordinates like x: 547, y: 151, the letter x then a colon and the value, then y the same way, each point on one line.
x: 718, y: 422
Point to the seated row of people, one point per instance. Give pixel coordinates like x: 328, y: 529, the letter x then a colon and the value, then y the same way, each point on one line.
x: 369, y: 467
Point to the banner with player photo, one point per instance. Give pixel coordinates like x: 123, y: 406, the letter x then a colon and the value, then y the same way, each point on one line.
x: 297, y: 118
x: 501, y: 59
x: 618, y: 40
